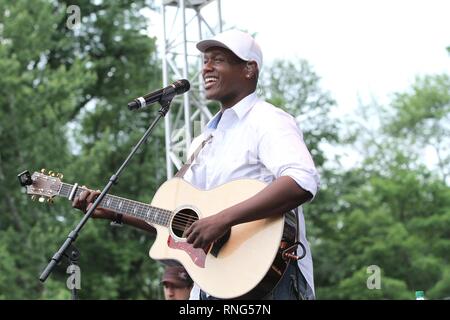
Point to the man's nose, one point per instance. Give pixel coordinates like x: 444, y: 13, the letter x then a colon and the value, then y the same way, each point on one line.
x: 207, y: 66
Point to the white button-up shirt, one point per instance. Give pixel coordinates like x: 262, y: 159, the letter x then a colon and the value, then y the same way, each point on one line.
x: 255, y: 140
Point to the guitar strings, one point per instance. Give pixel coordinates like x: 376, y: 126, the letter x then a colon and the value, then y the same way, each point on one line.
x: 180, y: 220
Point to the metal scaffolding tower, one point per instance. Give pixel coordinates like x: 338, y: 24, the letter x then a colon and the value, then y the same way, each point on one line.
x: 184, y: 25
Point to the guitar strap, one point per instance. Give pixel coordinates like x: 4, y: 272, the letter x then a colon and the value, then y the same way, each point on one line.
x: 185, y: 167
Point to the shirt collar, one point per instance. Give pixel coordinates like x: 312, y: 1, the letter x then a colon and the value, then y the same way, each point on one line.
x: 240, y: 109
x: 212, y: 124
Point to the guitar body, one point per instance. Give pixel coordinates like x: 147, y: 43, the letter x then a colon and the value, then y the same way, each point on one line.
x: 247, y: 265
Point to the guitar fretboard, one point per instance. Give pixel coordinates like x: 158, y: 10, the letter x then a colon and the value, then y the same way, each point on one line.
x: 129, y: 207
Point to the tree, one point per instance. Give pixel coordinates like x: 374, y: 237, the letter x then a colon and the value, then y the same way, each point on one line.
x: 421, y: 117
x: 392, y: 211
x: 78, y: 81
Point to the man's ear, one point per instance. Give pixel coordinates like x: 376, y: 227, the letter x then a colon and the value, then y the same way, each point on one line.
x: 250, y: 69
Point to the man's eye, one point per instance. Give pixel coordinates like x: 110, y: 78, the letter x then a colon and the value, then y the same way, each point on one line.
x: 214, y: 60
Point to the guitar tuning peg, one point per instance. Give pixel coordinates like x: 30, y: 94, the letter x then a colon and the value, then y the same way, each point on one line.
x: 33, y: 198
x: 50, y: 200
x: 43, y: 170
x: 60, y: 175
x: 41, y: 199
x: 53, y: 174
x: 50, y: 172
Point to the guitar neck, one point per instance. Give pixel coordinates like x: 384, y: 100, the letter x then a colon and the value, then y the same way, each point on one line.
x: 121, y: 205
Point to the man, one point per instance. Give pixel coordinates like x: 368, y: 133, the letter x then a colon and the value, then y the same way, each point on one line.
x: 250, y: 139
x: 177, y: 283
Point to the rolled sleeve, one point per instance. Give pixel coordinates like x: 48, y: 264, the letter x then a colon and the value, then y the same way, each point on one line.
x: 284, y: 153
x: 306, y: 179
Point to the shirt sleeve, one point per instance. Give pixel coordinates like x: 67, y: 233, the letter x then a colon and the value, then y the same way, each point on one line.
x: 283, y: 152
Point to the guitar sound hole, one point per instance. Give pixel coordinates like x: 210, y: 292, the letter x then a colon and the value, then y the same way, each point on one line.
x: 183, y: 220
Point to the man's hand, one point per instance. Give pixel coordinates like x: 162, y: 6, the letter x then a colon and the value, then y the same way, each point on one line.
x: 280, y: 196
x: 204, y: 232
x: 85, y: 200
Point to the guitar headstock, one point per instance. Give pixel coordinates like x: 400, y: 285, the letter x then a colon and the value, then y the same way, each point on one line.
x: 45, y: 185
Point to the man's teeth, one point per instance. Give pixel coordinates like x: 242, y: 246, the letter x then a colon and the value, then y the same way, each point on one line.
x: 210, y: 79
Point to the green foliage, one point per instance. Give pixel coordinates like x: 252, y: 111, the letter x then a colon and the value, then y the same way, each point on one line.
x: 411, y: 247
x: 355, y: 288
x: 393, y: 212
x: 420, y: 118
x: 63, y: 95
x: 442, y: 288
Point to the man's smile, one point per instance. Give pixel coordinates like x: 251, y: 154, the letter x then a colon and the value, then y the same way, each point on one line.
x: 210, y: 82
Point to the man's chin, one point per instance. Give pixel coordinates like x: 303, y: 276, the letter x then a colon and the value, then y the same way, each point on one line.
x: 210, y: 95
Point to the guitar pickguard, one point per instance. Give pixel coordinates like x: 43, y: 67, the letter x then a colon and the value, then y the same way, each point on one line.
x: 198, y: 255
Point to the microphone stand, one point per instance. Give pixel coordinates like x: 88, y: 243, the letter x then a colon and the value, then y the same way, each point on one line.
x: 67, y: 248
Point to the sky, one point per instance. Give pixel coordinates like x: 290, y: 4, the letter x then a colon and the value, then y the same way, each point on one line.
x: 361, y: 49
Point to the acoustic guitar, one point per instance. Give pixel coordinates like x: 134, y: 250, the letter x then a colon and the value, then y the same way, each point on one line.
x: 246, y: 264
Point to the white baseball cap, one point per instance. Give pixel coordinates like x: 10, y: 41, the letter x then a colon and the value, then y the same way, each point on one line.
x: 240, y: 43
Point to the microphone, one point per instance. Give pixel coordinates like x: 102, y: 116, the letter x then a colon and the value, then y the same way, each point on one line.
x: 167, y: 93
